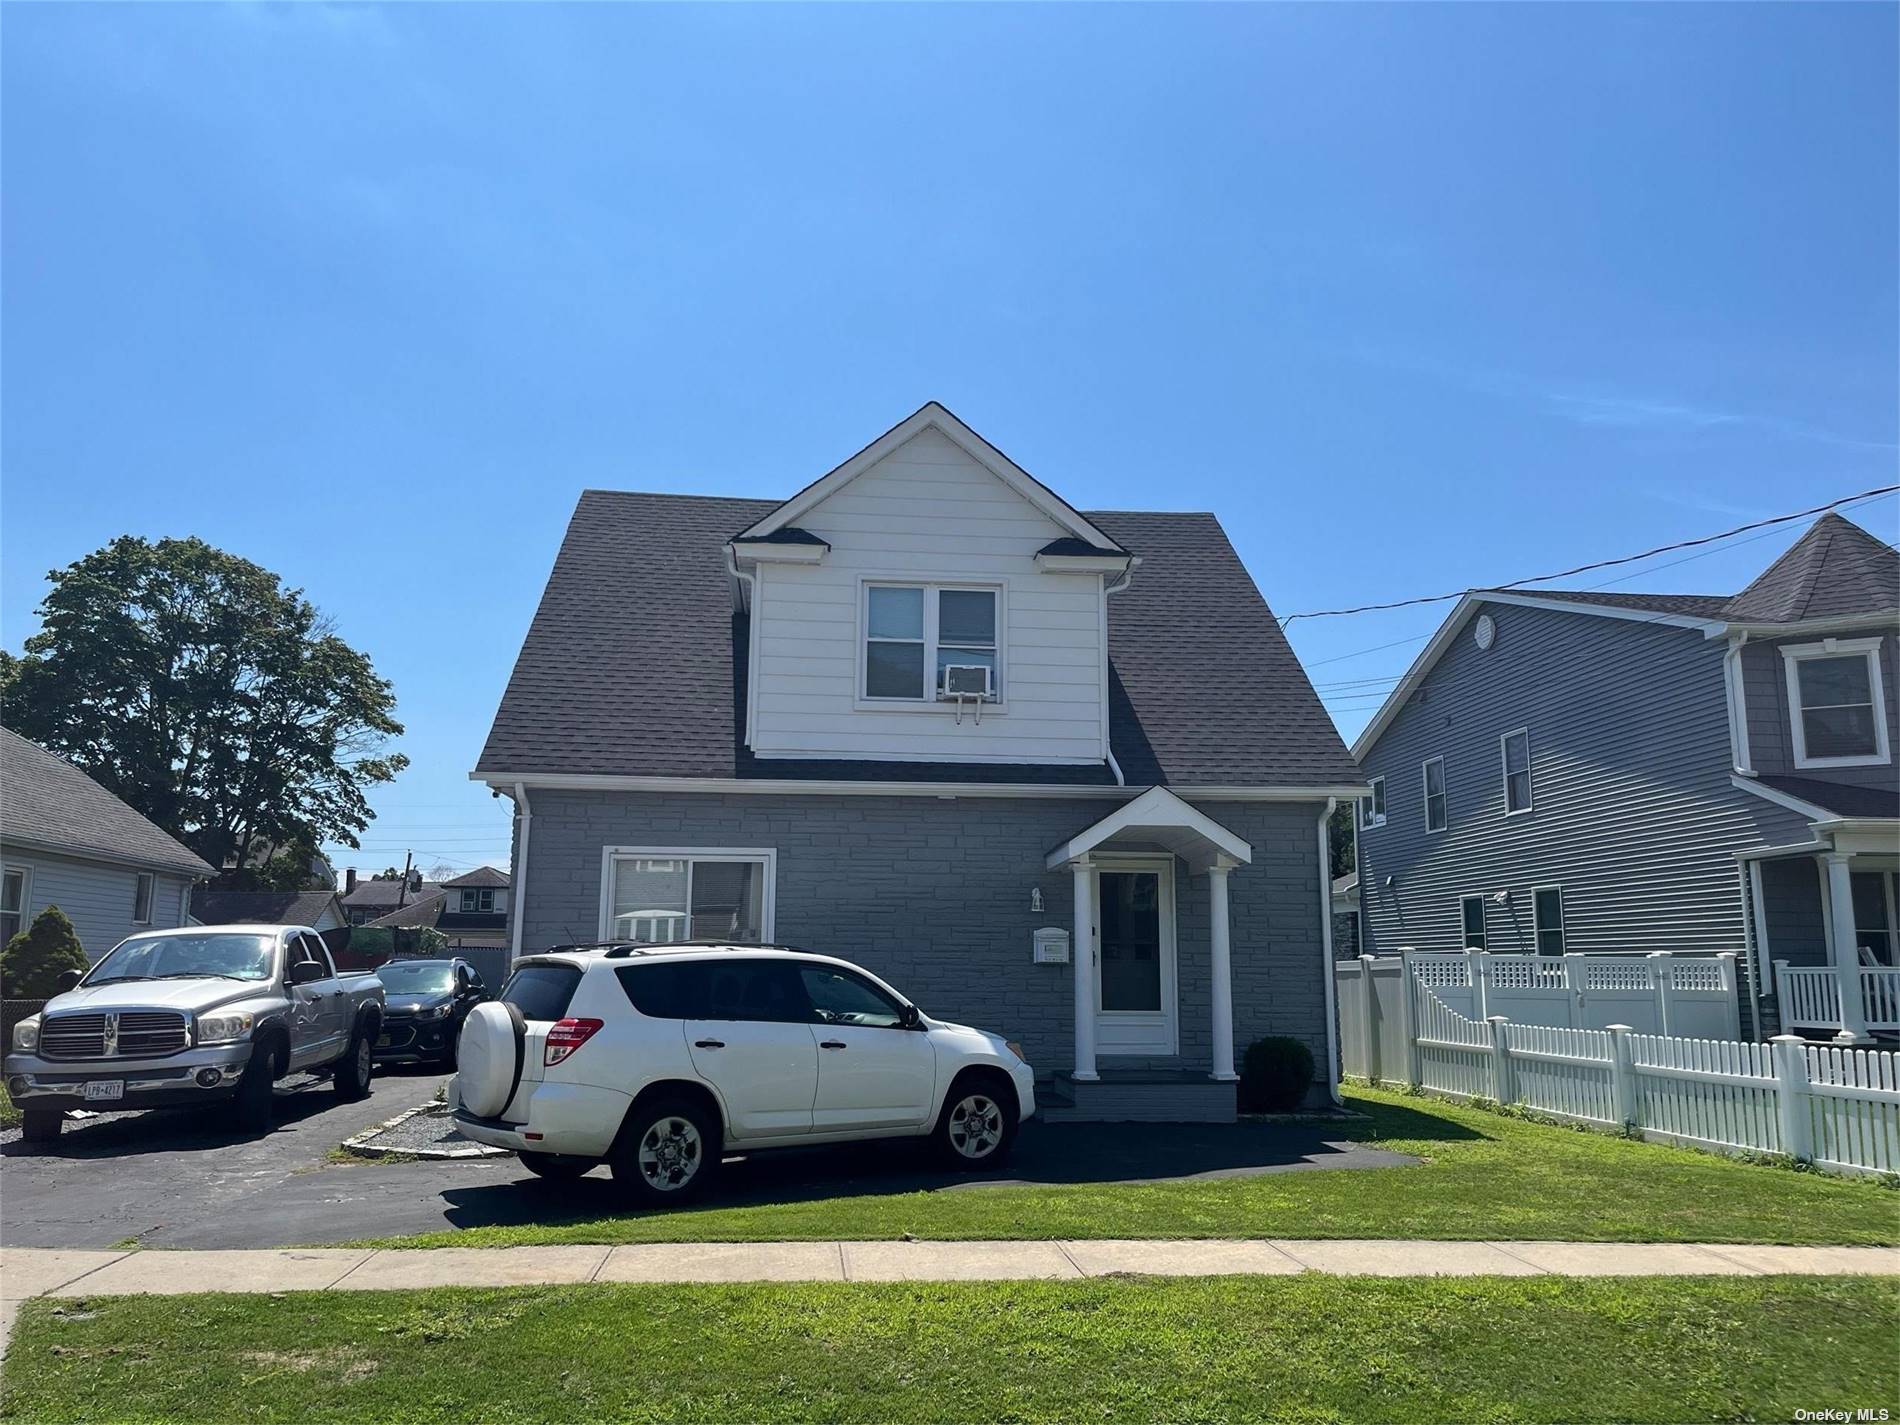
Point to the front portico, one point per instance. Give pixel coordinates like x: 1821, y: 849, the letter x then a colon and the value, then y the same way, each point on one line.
x: 1124, y: 967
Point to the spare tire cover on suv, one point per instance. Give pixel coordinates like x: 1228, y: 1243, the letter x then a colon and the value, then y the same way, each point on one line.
x: 488, y: 1061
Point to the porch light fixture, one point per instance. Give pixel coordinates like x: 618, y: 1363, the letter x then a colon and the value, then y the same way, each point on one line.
x: 1035, y: 899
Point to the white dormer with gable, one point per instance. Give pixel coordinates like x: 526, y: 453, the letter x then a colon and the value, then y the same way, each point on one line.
x: 928, y: 601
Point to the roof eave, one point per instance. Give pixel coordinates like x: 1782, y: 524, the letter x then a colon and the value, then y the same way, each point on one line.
x: 1877, y: 618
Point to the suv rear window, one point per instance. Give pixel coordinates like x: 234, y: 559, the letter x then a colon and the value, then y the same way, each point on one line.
x: 541, y: 991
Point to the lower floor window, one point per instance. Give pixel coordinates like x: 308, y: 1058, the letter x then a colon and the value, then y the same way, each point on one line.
x: 1471, y: 914
x: 1875, y: 930
x: 142, y: 899
x: 1547, y: 916
x: 12, y: 903
x: 663, y: 895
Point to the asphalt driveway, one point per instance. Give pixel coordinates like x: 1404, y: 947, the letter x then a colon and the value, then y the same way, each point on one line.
x: 188, y: 1181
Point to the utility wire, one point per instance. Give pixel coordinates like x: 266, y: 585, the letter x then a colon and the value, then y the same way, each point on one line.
x: 1596, y: 564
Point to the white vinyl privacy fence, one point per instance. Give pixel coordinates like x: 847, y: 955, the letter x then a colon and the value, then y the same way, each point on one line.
x: 1836, y: 1108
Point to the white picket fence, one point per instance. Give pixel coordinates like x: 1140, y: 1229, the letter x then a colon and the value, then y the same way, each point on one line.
x: 1838, y: 1109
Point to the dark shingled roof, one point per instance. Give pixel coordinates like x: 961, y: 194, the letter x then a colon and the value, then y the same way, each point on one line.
x: 1835, y: 569
x: 373, y: 893
x: 791, y: 534
x: 634, y: 664
x: 1840, y: 799
x: 482, y: 877
x: 1070, y: 545
x: 416, y: 913
x: 260, y: 907
x: 46, y: 801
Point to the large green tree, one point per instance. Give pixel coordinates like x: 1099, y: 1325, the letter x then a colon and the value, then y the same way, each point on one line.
x: 196, y: 687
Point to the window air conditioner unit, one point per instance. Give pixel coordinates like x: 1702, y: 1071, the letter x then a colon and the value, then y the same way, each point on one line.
x: 966, y: 680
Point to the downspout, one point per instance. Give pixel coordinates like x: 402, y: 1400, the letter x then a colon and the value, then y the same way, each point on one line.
x: 1325, y: 865
x: 1108, y: 749
x: 524, y: 822
x: 1737, y: 691
x: 745, y: 604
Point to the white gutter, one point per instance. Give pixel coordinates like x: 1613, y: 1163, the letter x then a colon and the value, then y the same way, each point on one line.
x: 1881, y: 619
x: 586, y: 781
x: 1737, y: 692
x: 524, y: 822
x: 1326, y: 950
x: 1108, y: 750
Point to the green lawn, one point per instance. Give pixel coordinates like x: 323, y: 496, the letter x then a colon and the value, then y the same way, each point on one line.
x: 1224, y: 1349
x: 9, y: 1113
x: 1485, y: 1176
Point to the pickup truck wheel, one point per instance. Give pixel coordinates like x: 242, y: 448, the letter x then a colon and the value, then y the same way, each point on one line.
x: 40, y: 1125
x: 254, y: 1090
x: 351, y: 1079
x: 668, y: 1151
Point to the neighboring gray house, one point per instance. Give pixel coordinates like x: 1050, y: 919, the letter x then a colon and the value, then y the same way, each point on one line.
x: 318, y: 909
x: 471, y: 910
x: 66, y: 841
x: 928, y: 716
x: 1582, y: 771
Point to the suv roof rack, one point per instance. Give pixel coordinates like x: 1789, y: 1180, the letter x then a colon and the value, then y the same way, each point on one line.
x: 621, y: 950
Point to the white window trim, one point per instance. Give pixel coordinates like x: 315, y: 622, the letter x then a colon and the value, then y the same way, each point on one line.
x: 1869, y: 648
x: 1425, y: 787
x: 1370, y: 816
x: 1504, y: 765
x: 768, y: 909
x: 1563, y: 919
x: 25, y: 874
x: 148, y: 880
x: 1484, y: 923
x: 929, y: 703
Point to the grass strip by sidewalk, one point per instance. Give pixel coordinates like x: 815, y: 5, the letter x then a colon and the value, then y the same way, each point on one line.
x: 1226, y: 1349
x: 1486, y: 1176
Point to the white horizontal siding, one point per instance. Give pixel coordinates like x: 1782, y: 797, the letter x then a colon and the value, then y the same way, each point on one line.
x: 96, y: 897
x: 928, y: 512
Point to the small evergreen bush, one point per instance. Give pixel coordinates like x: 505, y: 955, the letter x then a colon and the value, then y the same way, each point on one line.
x: 34, y: 959
x: 1275, y: 1075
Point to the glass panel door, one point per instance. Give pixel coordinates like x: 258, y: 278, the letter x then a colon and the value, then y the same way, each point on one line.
x: 1131, y: 942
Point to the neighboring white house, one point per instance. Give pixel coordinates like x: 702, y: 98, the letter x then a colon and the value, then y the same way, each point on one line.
x: 66, y: 841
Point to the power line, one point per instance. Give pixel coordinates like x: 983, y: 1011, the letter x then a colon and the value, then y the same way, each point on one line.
x: 1595, y: 564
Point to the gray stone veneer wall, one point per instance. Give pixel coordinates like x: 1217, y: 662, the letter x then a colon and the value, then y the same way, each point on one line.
x: 933, y: 894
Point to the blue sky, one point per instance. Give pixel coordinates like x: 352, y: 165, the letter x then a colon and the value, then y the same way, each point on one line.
x: 1413, y: 297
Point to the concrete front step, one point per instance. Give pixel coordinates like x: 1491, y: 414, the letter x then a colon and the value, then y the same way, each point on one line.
x: 1137, y: 1097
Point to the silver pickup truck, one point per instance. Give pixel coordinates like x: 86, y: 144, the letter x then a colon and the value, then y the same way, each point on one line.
x: 194, y: 1016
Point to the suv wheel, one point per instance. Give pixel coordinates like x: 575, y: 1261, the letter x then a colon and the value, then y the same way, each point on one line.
x: 977, y: 1126
x: 40, y: 1125
x: 668, y: 1151
x: 351, y: 1077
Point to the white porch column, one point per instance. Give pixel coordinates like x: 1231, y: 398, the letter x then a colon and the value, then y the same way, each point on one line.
x: 1082, y: 962
x: 1845, y: 954
x: 1221, y: 973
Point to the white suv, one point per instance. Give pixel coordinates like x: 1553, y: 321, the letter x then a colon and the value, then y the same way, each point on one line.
x: 657, y: 1059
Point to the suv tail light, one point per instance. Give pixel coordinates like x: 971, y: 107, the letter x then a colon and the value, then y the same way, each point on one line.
x: 567, y: 1035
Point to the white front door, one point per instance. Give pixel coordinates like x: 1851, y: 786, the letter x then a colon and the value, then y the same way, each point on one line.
x: 1135, y: 1008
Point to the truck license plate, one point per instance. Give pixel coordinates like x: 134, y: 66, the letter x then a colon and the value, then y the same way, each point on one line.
x: 105, y: 1090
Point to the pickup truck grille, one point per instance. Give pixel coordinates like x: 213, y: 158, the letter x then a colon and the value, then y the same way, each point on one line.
x: 139, y: 1034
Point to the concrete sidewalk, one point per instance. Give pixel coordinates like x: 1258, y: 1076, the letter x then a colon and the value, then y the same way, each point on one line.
x: 29, y: 1272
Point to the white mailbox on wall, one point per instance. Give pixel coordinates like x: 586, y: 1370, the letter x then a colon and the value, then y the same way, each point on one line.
x: 1052, y: 945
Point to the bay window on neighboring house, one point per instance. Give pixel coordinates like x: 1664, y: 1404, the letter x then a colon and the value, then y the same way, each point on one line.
x: 12, y: 902
x: 655, y: 895
x: 915, y: 633
x: 1547, y: 919
x: 1836, y: 703
x: 1471, y: 922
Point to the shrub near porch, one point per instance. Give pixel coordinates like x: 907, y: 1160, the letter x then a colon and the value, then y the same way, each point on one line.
x: 1484, y: 1176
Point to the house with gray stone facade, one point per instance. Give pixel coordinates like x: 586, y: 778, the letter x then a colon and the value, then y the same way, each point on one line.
x: 1605, y: 773
x: 1049, y: 772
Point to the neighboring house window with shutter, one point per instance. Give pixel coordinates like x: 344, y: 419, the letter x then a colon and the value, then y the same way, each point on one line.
x: 12, y: 902
x: 1547, y: 917
x: 142, y: 899
x: 1836, y: 703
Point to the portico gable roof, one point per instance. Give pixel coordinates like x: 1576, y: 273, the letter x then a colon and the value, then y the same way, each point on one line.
x: 1157, y: 818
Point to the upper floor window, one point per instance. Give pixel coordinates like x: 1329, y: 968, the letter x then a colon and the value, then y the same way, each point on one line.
x: 924, y: 642
x: 1435, y: 794
x: 1836, y: 703
x: 1372, y: 807
x: 1517, y: 771
x: 480, y: 902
